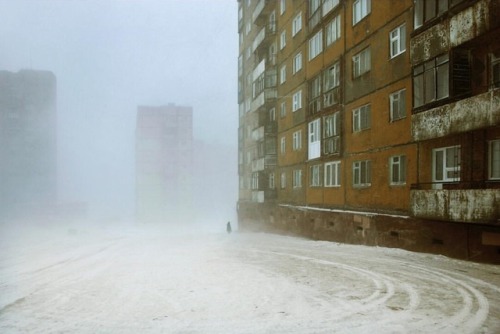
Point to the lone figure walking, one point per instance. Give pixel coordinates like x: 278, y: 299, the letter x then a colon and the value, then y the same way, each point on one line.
x: 228, y: 227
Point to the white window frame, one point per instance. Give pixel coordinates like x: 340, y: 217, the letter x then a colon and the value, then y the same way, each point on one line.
x: 283, y: 39
x: 360, y: 9
x: 316, y: 45
x: 315, y: 176
x: 283, y: 180
x: 397, y: 170
x: 283, y: 109
x: 397, y: 105
x: 361, y: 118
x: 297, y: 62
x: 361, y: 173
x: 333, y: 31
x: 314, y: 139
x: 297, y: 101
x: 494, y: 159
x: 332, y: 174
x: 328, y: 5
x: 282, y: 7
x: 272, y: 182
x: 440, y: 156
x: 255, y: 181
x: 297, y: 140
x: 297, y: 24
x: 283, y: 145
x: 397, y: 41
x: 361, y: 63
x: 297, y: 178
x: 283, y: 74
x: 272, y: 114
x: 331, y: 77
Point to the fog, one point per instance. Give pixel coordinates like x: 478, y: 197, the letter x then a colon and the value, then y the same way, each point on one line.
x: 108, y: 58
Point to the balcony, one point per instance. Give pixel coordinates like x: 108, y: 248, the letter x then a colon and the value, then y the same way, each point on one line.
x: 263, y: 38
x: 474, y: 113
x: 267, y: 95
x: 478, y: 205
x: 331, y: 97
x: 259, y: 15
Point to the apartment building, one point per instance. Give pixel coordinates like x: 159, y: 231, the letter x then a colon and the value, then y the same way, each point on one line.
x: 371, y: 143
x: 28, y: 143
x: 164, y: 161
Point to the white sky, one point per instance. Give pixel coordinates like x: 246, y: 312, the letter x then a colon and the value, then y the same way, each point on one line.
x: 110, y: 56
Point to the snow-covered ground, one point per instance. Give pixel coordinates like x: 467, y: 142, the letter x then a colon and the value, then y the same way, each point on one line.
x: 77, y: 279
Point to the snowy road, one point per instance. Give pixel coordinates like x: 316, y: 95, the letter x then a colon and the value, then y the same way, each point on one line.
x: 84, y: 280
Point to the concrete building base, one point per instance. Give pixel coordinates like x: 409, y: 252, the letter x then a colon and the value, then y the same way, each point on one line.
x: 474, y: 242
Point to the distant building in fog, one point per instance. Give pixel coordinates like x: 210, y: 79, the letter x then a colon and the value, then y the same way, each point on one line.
x: 164, y: 153
x: 28, y: 142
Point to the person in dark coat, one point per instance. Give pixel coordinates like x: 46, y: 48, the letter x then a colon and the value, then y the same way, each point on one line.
x: 228, y: 227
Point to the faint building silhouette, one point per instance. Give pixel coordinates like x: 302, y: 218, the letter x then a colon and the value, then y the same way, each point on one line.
x: 28, y: 143
x: 164, y: 164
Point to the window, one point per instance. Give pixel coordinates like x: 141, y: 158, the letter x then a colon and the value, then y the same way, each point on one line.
x: 297, y: 178
x: 283, y: 180
x: 316, y: 45
x: 297, y: 24
x: 297, y: 101
x: 495, y: 69
x: 426, y: 10
x: 328, y: 5
x: 315, y: 176
x: 314, y: 139
x: 282, y: 39
x: 446, y: 164
x: 361, y: 63
x: 283, y: 74
x: 361, y: 118
x: 283, y: 145
x: 331, y: 134
x: 297, y: 140
x: 255, y: 181
x: 431, y: 81
x: 315, y: 95
x: 331, y: 79
x: 360, y: 9
x: 333, y: 31
x: 282, y: 7
x: 397, y: 102
x: 283, y: 109
x: 397, y: 170
x: 297, y: 62
x: 248, y: 28
x: 272, y: 114
x: 332, y: 174
x: 272, y: 183
x: 397, y: 41
x: 362, y: 175
x: 494, y: 153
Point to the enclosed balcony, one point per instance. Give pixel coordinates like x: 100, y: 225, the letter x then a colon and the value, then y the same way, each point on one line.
x: 474, y: 113
x: 458, y: 202
x: 262, y: 11
x: 264, y: 37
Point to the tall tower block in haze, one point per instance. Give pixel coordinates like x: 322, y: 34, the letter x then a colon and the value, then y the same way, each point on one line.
x: 28, y: 142
x: 164, y: 155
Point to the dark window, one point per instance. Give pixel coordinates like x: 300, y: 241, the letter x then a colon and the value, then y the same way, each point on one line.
x: 426, y: 10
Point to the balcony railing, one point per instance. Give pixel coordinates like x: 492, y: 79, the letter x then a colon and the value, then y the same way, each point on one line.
x: 315, y: 106
x: 471, y: 201
x: 474, y: 113
x: 331, y: 97
x: 331, y: 145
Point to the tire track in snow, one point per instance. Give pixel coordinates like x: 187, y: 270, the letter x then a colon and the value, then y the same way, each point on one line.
x: 468, y: 315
